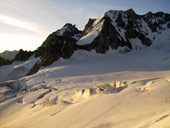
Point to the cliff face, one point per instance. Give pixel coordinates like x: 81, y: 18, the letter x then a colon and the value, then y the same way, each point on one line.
x: 59, y: 44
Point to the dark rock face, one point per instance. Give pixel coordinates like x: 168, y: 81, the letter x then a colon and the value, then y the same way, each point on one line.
x: 120, y: 21
x: 59, y: 44
x: 88, y: 27
x: 133, y: 23
x: 132, y: 33
x: 131, y: 14
x: 108, y: 38
x: 156, y: 20
x: 23, y: 55
x: 4, y: 61
x: 53, y: 49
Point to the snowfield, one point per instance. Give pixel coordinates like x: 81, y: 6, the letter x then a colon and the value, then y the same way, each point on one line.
x: 90, y: 90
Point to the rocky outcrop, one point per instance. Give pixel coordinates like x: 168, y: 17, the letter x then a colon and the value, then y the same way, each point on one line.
x: 70, y: 31
x: 132, y: 33
x: 23, y: 55
x: 88, y: 27
x: 157, y: 20
x: 59, y: 44
x: 107, y: 38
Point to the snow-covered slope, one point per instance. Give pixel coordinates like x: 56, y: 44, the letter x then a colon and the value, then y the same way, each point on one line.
x: 17, y: 69
x: 93, y: 32
x: 92, y: 90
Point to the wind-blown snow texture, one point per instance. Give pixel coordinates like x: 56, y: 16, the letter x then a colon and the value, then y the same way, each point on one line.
x: 91, y: 90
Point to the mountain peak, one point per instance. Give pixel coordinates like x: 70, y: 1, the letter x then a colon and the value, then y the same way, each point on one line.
x: 69, y: 30
x: 69, y: 25
x: 130, y: 11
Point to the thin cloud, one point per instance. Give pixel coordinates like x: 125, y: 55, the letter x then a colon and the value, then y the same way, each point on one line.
x: 19, y: 23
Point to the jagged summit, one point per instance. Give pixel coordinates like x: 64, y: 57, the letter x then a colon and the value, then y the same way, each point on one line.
x: 69, y: 30
x: 131, y: 12
x: 88, y: 27
x: 59, y: 44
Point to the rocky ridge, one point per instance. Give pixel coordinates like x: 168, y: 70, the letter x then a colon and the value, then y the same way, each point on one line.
x: 124, y: 29
x: 61, y: 43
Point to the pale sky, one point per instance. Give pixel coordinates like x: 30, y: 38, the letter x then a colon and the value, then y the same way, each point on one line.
x: 26, y: 23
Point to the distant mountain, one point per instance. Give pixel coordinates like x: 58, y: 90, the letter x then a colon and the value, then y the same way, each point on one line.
x: 9, y: 55
x: 20, y: 55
